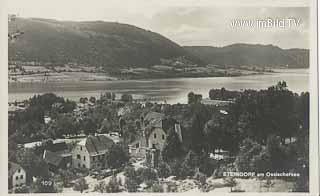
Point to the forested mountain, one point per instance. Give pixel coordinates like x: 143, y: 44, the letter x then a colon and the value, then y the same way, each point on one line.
x: 95, y: 43
x: 252, y: 55
x: 114, y: 46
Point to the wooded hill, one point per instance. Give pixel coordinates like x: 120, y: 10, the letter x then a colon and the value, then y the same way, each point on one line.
x: 96, y: 43
x: 252, y: 55
x: 115, y: 46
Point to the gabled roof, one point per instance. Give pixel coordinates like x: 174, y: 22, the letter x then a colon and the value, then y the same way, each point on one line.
x: 52, y: 158
x: 151, y: 116
x: 12, y: 168
x: 97, y: 144
x: 58, y: 147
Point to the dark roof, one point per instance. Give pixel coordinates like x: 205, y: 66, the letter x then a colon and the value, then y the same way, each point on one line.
x: 98, y: 144
x: 12, y: 168
x: 58, y: 147
x: 52, y: 157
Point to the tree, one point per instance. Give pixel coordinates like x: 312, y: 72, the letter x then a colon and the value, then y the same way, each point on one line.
x: 117, y: 156
x: 66, y: 176
x: 89, y: 125
x: 147, y: 175
x: 131, y: 179
x: 173, y: 147
x: 126, y: 98
x: 80, y: 185
x: 164, y: 170
x: 66, y: 124
x: 83, y: 100
x: 200, y: 115
x: 189, y: 165
x: 92, y: 99
x: 100, y: 187
x: 248, y: 150
x: 194, y: 98
x: 113, y: 186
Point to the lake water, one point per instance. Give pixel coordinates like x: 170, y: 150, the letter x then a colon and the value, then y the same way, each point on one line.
x: 172, y: 90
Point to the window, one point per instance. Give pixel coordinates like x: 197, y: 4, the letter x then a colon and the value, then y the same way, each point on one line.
x: 137, y: 145
x: 84, y: 166
x: 153, y: 146
x: 79, y: 165
x: 155, y: 135
x: 93, y: 158
x: 17, y: 177
x: 81, y: 148
x: 21, y: 177
x: 163, y: 137
x: 78, y: 156
x: 84, y: 158
x: 19, y: 170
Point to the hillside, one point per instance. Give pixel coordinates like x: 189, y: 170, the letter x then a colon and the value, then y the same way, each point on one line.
x: 107, y: 44
x: 252, y: 55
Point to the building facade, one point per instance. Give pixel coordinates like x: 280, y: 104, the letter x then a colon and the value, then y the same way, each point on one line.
x: 17, y: 175
x: 91, y: 152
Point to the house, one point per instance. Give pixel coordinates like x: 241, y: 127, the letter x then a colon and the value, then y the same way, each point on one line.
x: 58, y: 156
x: 16, y: 175
x: 154, y: 134
x: 91, y: 151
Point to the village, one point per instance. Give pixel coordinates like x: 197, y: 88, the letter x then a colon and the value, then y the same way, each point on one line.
x: 136, y: 146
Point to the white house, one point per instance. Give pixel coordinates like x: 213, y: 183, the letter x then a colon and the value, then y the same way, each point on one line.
x: 16, y: 175
x: 153, y: 136
x: 91, y: 152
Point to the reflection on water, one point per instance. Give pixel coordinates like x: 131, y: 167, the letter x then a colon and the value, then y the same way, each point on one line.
x: 172, y: 90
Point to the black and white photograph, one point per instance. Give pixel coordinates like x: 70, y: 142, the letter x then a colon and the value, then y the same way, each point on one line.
x: 140, y: 96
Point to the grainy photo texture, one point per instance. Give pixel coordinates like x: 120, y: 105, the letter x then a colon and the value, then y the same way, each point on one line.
x: 138, y: 97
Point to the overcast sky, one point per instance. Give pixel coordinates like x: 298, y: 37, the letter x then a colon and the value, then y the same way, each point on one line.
x: 187, y: 22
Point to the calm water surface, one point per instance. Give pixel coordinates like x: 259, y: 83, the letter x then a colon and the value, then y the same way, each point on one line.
x: 172, y: 90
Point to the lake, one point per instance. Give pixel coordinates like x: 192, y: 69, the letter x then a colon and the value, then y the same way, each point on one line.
x: 172, y: 90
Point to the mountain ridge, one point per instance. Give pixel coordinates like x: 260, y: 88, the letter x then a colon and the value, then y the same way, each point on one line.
x: 241, y: 54
x: 115, y: 46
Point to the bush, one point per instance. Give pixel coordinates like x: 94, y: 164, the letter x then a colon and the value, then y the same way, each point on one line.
x: 157, y: 188
x: 23, y: 189
x: 100, y: 187
x: 147, y: 175
x: 113, y: 186
x: 164, y: 170
x: 131, y: 179
x: 80, y: 185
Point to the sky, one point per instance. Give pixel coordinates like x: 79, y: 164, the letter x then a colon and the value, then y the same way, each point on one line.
x: 187, y: 22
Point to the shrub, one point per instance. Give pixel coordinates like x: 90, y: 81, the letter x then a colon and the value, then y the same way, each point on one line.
x: 113, y: 186
x: 157, y: 188
x: 164, y: 170
x: 80, y: 185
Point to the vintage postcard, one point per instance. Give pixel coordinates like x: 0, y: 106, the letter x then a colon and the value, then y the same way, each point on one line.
x: 184, y: 97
